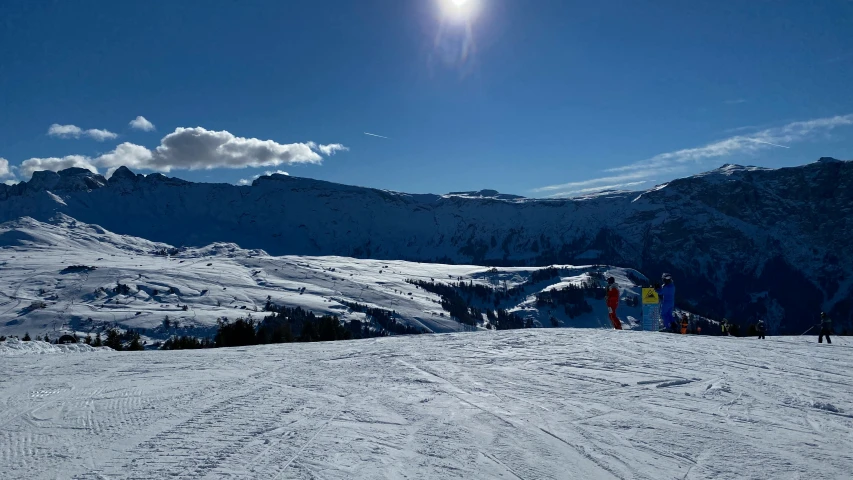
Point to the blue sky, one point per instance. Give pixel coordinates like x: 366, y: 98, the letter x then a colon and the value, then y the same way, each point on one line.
x: 538, y: 98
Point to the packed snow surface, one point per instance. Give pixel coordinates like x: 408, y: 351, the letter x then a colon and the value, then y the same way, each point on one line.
x: 523, y: 404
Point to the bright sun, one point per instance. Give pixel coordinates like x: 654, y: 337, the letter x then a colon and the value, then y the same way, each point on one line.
x: 459, y: 9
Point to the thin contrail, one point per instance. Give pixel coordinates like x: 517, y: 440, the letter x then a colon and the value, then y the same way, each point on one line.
x: 768, y: 143
x: 375, y: 135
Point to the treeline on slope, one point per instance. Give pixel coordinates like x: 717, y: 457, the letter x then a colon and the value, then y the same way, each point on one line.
x: 292, y: 324
x: 459, y: 307
x: 488, y: 294
x: 283, y: 325
x: 571, y: 297
x: 385, y: 319
x: 457, y: 298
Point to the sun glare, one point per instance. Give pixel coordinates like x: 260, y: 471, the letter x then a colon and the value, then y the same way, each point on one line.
x: 459, y: 9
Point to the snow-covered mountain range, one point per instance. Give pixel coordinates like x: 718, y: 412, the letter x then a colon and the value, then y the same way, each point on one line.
x: 741, y: 242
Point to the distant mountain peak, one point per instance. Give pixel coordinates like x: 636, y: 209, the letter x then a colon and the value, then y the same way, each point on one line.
x: 829, y: 160
x: 71, y: 179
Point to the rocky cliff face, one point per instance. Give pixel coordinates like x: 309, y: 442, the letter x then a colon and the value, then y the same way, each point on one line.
x: 743, y: 242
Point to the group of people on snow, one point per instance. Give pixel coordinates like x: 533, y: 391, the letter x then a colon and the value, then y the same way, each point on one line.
x: 666, y: 293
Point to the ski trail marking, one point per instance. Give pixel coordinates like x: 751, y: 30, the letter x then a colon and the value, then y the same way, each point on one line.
x: 310, y: 440
x: 652, y: 382
x: 675, y: 383
x: 519, y: 477
x: 580, y: 449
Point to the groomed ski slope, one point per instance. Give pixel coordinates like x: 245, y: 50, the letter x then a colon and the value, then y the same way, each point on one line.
x: 524, y: 404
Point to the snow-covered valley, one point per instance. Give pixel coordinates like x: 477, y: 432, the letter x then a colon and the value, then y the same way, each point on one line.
x: 61, y: 278
x: 529, y: 404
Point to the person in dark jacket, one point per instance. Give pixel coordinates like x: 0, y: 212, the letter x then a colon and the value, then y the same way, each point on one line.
x: 613, y: 302
x: 761, y: 328
x: 825, y: 328
x: 667, y: 301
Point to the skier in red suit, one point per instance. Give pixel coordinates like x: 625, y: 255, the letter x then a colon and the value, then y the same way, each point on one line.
x: 613, y: 302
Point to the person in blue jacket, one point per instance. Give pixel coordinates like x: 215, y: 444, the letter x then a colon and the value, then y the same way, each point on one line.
x: 667, y: 300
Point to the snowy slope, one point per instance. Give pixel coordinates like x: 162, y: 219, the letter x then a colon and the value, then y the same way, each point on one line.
x: 742, y: 242
x: 41, y: 293
x: 13, y: 347
x: 535, y: 404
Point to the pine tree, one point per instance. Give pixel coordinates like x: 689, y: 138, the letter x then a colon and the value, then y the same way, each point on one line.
x: 309, y: 332
x: 113, y: 340
x: 26, y: 337
x: 134, y: 343
x: 98, y: 342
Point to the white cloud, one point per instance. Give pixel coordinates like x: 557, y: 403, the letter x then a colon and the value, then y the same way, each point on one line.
x: 329, y: 150
x: 193, y: 149
x: 768, y: 143
x: 735, y: 101
x: 141, y: 123
x: 681, y: 160
x: 100, y: 135
x: 55, y: 164
x: 598, y: 188
x: 612, y: 180
x: 12, y: 182
x: 245, y: 181
x: 5, y: 171
x: 127, y: 154
x: 198, y: 148
x: 761, y: 140
x: 64, y: 131
x: 744, y: 128
x: 73, y: 131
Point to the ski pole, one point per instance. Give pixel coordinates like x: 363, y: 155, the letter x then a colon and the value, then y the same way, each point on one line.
x: 807, y: 331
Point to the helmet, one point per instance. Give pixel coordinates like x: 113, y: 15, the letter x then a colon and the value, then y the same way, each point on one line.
x: 666, y: 278
x: 822, y: 314
x: 611, y: 280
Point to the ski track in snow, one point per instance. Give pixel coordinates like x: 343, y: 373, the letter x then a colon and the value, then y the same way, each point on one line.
x: 524, y: 404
